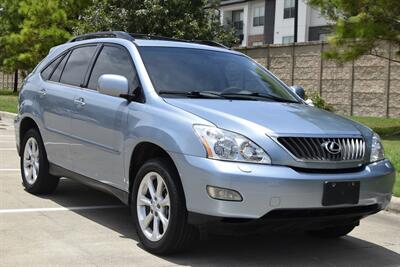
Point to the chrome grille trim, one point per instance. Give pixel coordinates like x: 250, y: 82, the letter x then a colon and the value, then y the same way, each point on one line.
x: 313, y: 149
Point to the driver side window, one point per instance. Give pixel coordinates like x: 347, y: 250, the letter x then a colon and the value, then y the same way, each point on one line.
x: 114, y: 60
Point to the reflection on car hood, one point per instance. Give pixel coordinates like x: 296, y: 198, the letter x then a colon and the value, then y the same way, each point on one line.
x: 276, y: 118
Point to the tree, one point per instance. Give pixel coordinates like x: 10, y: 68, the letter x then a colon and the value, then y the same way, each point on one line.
x: 9, y: 22
x: 40, y: 25
x: 196, y: 19
x: 360, y: 26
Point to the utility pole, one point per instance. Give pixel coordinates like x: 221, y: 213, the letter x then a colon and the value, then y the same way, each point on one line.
x: 296, y: 18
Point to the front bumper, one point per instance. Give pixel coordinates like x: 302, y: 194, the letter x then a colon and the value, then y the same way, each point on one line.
x: 265, y: 188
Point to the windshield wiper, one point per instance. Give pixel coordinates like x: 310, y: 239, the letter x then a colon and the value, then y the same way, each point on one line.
x: 192, y: 94
x: 211, y: 94
x: 256, y: 95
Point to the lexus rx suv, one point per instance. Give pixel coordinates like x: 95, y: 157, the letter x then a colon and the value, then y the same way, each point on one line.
x: 191, y: 134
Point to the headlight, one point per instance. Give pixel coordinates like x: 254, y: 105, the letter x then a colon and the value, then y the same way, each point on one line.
x: 225, y: 145
x: 377, y: 152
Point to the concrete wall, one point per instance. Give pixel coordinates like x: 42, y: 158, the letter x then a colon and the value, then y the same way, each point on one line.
x: 369, y: 86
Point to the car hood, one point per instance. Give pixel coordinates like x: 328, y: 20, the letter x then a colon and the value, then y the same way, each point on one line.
x: 275, y: 118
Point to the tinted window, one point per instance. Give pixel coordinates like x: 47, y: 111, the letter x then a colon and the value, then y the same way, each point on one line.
x: 113, y: 60
x: 289, y: 9
x: 49, y: 69
x: 77, y: 65
x: 185, y: 69
x: 258, y: 16
x: 55, y: 77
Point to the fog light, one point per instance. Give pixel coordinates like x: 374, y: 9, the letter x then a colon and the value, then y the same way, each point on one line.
x: 223, y: 193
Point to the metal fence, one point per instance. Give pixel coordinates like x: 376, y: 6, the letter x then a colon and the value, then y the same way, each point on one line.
x: 10, y: 81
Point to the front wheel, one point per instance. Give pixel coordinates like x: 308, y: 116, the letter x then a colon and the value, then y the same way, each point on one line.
x: 159, y: 210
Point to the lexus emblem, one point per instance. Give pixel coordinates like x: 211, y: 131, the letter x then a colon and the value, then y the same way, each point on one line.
x: 332, y: 147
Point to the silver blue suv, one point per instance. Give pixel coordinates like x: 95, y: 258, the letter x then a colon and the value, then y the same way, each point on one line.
x: 192, y: 134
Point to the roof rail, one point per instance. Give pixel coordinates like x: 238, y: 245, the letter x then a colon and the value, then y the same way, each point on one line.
x: 162, y: 38
x: 210, y: 43
x: 109, y: 34
x: 152, y: 37
x: 133, y: 36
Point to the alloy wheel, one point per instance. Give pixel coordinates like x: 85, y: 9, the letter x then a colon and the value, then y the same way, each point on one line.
x: 153, y: 206
x: 31, y: 160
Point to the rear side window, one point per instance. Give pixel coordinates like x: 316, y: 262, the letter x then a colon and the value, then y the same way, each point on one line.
x: 113, y: 60
x: 55, y: 77
x: 77, y: 65
x: 46, y: 73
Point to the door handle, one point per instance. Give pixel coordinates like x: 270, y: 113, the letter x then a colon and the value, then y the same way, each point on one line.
x: 79, y: 101
x: 42, y: 92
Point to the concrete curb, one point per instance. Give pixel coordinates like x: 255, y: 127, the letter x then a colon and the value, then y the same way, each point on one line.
x: 394, y: 205
x: 7, y: 115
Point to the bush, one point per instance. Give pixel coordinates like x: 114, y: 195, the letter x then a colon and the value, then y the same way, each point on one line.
x: 319, y: 102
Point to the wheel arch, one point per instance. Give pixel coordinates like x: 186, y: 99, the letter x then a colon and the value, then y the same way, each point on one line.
x: 25, y: 125
x: 144, y: 151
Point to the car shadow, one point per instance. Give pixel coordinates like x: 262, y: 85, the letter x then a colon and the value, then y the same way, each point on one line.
x: 278, y: 249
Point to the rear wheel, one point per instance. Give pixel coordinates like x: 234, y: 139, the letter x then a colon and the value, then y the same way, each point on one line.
x: 332, y: 232
x: 34, y: 165
x: 159, y: 210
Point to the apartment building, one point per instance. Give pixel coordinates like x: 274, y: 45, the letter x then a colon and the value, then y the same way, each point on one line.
x: 261, y: 22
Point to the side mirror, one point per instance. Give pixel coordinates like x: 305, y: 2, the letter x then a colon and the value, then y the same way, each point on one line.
x: 298, y: 90
x: 113, y: 85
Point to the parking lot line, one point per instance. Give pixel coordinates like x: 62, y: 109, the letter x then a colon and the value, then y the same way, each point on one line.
x: 10, y: 170
x: 60, y: 209
x: 7, y: 149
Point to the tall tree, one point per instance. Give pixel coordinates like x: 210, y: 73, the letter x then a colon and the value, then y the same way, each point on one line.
x: 360, y: 26
x: 196, y: 19
x: 9, y: 22
x: 40, y: 25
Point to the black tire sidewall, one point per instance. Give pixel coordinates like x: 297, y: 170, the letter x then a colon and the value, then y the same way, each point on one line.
x: 178, y: 214
x: 43, y: 163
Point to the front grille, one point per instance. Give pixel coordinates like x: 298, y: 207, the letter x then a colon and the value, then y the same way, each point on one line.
x: 325, y: 149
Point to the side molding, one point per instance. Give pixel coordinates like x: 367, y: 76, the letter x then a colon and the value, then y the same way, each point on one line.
x: 62, y: 172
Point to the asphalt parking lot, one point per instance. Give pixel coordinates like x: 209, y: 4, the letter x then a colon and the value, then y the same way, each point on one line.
x: 79, y: 226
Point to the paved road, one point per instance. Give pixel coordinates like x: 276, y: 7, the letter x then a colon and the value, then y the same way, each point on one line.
x: 78, y: 226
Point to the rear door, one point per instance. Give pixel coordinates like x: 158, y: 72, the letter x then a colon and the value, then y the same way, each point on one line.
x: 58, y: 102
x: 56, y: 105
x: 100, y: 120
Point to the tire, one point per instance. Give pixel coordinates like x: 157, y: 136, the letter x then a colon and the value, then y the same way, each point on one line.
x: 176, y: 234
x: 332, y: 232
x: 34, y: 158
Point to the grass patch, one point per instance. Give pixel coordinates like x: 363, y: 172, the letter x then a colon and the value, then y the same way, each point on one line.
x: 389, y: 130
x: 8, y: 101
x: 385, y: 127
x: 392, y: 152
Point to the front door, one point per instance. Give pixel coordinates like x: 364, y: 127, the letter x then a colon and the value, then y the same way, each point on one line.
x: 100, y: 121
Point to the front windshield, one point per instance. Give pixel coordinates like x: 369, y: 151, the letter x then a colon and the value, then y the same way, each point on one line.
x: 176, y: 71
